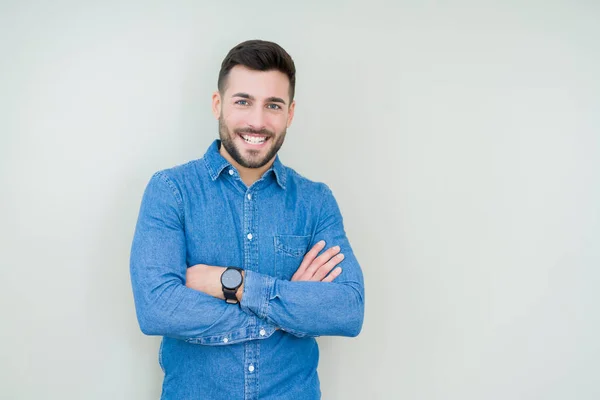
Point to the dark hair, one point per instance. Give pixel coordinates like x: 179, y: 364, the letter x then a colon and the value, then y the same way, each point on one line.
x: 258, y: 55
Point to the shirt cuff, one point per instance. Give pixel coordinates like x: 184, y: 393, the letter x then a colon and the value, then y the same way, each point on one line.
x: 257, y: 292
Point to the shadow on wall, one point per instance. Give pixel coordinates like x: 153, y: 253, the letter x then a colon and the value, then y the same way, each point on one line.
x: 109, y: 297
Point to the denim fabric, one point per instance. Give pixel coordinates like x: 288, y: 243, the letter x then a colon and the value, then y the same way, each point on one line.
x: 202, y: 213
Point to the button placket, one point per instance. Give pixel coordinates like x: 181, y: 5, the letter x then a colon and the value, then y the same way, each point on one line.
x: 252, y: 348
x: 252, y: 351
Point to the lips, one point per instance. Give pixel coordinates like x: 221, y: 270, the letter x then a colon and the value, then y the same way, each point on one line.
x: 253, y: 139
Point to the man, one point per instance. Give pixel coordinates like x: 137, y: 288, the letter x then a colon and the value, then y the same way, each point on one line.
x: 238, y: 261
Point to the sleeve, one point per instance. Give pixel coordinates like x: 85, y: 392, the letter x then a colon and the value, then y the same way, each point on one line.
x: 164, y: 305
x: 313, y: 308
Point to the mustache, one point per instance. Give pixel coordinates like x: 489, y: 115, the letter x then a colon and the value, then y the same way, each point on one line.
x: 256, y: 132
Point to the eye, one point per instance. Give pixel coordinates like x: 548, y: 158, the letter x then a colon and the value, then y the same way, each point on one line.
x: 242, y: 102
x: 273, y: 106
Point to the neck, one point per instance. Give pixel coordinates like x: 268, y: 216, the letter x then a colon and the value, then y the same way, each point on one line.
x: 248, y: 175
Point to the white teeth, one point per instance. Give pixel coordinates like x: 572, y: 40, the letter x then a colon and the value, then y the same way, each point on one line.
x: 254, y: 140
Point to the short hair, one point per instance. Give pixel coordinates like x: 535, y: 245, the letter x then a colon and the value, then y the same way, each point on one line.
x: 259, y: 55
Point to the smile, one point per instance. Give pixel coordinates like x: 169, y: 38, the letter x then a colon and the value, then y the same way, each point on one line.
x: 254, y: 139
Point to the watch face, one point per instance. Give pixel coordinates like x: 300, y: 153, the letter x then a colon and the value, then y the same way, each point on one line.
x: 231, y: 278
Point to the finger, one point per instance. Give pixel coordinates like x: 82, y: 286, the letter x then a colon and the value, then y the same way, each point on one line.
x: 320, y: 260
x: 327, y: 267
x: 308, y: 259
x: 312, y: 254
x: 334, y: 274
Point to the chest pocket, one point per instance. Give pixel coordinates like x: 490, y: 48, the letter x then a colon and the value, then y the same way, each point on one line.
x: 289, y: 252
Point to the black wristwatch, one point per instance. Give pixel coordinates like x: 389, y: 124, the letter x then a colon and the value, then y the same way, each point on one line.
x: 231, y: 280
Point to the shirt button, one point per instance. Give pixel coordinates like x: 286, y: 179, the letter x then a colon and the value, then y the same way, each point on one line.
x: 249, y: 196
x: 225, y: 340
x: 251, y: 368
x: 262, y: 332
x: 231, y: 172
x: 249, y: 236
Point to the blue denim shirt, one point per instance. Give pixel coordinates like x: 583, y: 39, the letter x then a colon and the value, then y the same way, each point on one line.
x: 202, y: 213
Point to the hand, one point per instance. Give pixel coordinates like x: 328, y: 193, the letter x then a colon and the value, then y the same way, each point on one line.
x: 315, y: 268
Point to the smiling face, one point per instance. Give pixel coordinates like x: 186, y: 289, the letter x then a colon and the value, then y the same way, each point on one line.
x: 254, y: 112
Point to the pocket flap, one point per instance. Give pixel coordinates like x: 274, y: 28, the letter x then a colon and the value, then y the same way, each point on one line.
x: 292, y: 245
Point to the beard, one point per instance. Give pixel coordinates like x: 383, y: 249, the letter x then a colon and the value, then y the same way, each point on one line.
x: 252, y: 159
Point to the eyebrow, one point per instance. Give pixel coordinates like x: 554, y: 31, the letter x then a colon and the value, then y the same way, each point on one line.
x: 269, y: 99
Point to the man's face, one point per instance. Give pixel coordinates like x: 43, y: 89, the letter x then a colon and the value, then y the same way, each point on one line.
x: 254, y: 112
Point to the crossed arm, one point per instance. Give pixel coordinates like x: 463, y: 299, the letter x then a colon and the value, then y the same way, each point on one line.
x: 315, y: 267
x: 185, y: 303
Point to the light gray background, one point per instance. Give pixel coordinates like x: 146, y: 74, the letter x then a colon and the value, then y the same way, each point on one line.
x: 462, y: 141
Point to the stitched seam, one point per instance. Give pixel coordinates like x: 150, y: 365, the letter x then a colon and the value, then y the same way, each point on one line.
x: 318, y: 224
x: 268, y: 288
x: 175, y: 192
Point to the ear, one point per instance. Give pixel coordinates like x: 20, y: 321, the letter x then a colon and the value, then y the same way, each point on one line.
x: 216, y: 104
x: 291, y: 113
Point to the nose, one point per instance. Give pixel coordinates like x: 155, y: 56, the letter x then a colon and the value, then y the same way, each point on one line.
x: 256, y: 118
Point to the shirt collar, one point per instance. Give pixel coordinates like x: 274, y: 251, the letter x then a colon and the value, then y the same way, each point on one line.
x: 216, y: 163
x: 280, y: 172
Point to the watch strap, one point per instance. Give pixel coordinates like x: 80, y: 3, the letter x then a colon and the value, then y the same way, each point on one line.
x: 230, y: 296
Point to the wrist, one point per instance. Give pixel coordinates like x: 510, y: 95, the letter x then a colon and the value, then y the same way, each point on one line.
x: 212, y: 282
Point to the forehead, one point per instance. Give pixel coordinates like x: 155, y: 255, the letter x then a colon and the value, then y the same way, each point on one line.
x: 260, y: 84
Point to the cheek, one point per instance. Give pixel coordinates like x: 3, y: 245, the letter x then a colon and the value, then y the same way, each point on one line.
x: 277, y: 123
x: 233, y: 120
